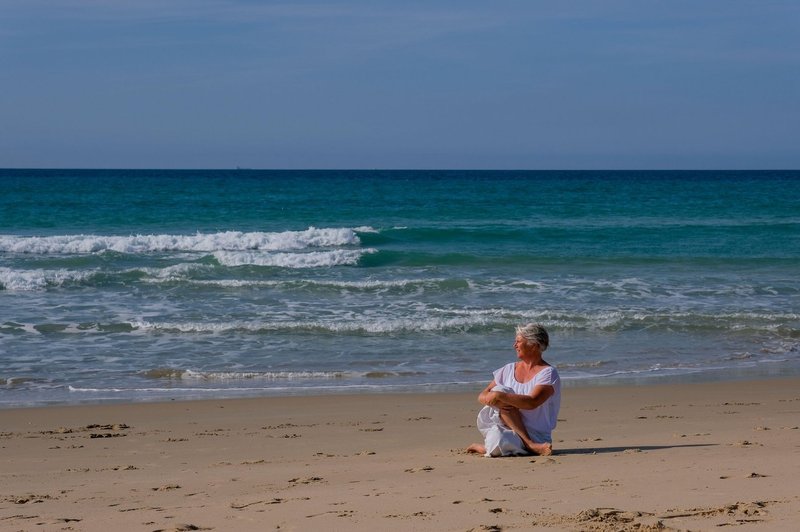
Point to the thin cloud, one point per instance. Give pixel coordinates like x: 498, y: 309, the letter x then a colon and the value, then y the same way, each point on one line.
x: 378, y: 25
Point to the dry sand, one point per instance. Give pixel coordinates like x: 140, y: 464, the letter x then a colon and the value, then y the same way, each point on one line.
x: 699, y: 457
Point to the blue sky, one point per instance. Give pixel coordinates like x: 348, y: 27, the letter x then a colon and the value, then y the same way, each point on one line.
x: 400, y: 84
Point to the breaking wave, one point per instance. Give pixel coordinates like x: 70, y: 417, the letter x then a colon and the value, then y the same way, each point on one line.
x: 200, y: 242
x: 23, y: 280
x: 188, y: 374
x: 311, y: 259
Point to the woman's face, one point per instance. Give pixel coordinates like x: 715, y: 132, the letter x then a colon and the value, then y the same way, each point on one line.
x: 522, y: 348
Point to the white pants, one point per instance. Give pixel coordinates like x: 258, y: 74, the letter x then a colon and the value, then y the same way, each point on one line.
x: 498, y: 438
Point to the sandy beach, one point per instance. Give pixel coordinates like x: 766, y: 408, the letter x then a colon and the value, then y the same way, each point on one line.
x: 683, y: 457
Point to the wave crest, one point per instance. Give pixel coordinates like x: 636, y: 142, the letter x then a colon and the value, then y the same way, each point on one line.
x: 188, y: 374
x: 311, y: 259
x: 200, y: 242
x: 26, y: 280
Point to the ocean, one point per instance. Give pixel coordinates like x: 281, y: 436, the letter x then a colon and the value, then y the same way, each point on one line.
x: 141, y: 285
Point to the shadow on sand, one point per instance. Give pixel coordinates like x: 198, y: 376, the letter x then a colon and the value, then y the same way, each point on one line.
x: 631, y: 448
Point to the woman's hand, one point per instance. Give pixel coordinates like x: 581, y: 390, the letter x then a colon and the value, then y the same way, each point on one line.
x: 499, y: 400
x: 489, y: 398
x: 495, y: 399
x: 487, y: 394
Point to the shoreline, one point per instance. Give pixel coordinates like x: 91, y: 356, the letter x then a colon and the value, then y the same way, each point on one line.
x: 223, y: 394
x: 695, y: 456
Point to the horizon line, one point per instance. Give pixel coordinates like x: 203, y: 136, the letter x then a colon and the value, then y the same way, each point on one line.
x: 253, y: 169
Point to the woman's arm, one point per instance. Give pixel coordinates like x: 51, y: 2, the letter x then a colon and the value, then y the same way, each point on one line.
x: 486, y: 396
x: 539, y: 395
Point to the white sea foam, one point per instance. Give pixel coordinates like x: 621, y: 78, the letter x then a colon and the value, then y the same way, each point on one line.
x: 553, y: 318
x: 200, y: 242
x: 582, y: 365
x: 371, y: 326
x: 236, y: 283
x: 261, y: 375
x: 22, y: 280
x: 438, y: 320
x: 311, y: 259
x: 174, y: 272
x: 348, y: 285
x: 189, y: 374
x: 139, y: 393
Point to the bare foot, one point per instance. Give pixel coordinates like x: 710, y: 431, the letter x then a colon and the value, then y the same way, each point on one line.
x: 476, y: 448
x: 542, y: 449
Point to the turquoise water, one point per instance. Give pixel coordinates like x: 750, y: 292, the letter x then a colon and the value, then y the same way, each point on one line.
x: 143, y: 285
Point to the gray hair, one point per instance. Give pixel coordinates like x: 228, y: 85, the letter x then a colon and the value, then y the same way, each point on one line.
x: 533, y: 333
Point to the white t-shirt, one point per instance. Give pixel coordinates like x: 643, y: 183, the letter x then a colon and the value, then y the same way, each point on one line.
x: 540, y: 421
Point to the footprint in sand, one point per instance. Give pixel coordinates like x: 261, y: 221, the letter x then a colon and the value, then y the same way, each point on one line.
x: 746, y: 443
x: 166, y: 487
x: 30, y: 498
x: 418, y: 469
x: 237, y: 506
x: 182, y: 528
x: 308, y: 480
x: 114, y: 426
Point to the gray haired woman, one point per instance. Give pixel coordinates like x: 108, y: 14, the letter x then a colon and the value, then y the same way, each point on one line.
x: 522, y: 401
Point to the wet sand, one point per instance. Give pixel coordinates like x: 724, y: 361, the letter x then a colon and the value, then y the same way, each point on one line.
x: 695, y: 456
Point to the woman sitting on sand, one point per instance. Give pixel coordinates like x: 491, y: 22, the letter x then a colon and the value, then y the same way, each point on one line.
x: 522, y: 401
